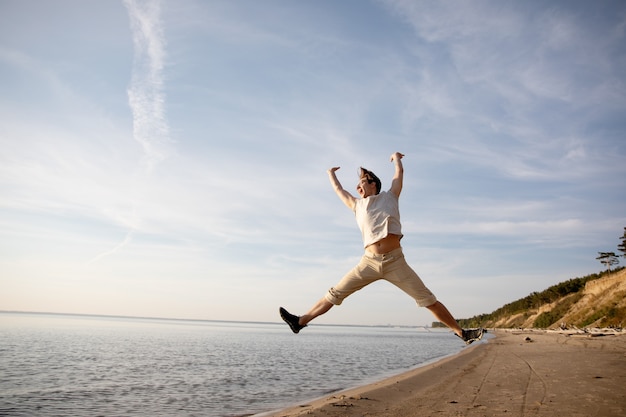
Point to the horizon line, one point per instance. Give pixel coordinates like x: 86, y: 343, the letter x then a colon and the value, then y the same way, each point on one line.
x: 202, y: 320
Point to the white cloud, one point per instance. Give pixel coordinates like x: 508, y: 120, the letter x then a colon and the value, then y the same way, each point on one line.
x: 145, y: 95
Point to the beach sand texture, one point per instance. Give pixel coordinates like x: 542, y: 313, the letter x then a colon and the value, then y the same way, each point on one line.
x: 517, y: 373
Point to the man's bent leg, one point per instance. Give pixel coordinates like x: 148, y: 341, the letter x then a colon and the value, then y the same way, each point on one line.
x: 360, y: 276
x: 443, y: 315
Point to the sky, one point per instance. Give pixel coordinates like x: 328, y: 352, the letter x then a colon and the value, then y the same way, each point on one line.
x: 168, y: 159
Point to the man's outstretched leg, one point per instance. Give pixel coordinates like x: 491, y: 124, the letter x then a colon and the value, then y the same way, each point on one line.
x: 443, y: 315
x: 297, y: 323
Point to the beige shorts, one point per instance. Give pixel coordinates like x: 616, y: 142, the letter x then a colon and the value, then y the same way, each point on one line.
x: 391, y: 267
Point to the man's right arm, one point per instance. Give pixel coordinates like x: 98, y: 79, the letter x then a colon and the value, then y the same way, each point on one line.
x: 347, y: 198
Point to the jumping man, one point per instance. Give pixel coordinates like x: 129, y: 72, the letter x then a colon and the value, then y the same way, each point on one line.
x: 378, y: 216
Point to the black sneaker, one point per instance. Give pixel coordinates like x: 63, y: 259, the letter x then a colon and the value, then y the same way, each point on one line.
x: 291, y: 320
x: 472, y: 335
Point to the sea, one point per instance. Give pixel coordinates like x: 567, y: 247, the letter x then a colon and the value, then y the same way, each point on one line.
x: 91, y: 366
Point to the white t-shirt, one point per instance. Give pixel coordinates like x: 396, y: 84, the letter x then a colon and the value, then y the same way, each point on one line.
x: 378, y: 216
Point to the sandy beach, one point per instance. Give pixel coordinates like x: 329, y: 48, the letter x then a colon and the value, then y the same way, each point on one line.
x: 517, y: 373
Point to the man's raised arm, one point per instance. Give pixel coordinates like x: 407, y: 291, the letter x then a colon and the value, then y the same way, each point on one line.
x: 398, y: 177
x: 347, y: 198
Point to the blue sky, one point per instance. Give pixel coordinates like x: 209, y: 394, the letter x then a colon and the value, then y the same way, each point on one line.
x: 169, y: 158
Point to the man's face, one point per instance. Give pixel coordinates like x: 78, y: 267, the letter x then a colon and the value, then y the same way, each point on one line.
x: 366, y: 188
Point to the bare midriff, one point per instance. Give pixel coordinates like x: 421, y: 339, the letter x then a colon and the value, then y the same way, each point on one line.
x: 384, y: 245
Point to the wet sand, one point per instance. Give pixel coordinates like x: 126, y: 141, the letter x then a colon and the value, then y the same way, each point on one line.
x: 517, y: 373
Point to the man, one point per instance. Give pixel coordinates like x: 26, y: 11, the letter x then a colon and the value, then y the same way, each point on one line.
x: 378, y: 217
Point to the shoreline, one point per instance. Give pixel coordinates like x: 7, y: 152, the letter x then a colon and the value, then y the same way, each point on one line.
x: 345, y: 398
x: 517, y: 373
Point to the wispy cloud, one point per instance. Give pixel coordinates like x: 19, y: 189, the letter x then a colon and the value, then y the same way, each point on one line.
x: 146, y: 98
x: 145, y: 94
x: 518, y: 85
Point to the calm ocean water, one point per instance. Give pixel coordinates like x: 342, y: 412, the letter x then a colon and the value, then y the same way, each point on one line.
x: 64, y: 365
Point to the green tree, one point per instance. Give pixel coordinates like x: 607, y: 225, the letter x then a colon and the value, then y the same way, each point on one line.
x: 608, y: 259
x: 622, y: 246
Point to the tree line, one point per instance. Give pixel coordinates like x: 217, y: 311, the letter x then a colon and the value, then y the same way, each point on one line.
x: 550, y: 295
x: 609, y: 259
x: 532, y: 301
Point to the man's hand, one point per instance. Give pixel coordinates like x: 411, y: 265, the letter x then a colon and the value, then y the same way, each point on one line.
x: 333, y: 169
x: 396, y: 156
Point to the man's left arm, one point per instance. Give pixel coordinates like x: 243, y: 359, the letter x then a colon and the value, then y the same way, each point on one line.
x: 396, y: 182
